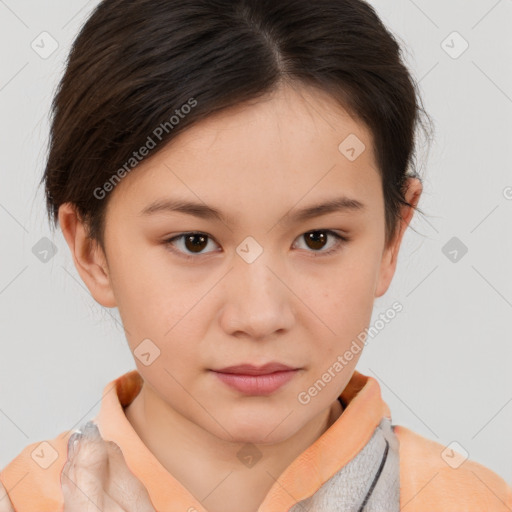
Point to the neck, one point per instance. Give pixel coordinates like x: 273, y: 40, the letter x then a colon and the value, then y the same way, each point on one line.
x: 209, y: 467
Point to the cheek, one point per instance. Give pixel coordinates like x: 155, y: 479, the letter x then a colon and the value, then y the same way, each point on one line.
x: 348, y: 315
x: 165, y: 311
x: 347, y: 288
x: 344, y: 304
x: 147, y: 289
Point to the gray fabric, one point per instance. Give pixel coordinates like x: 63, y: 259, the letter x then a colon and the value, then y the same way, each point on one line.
x: 347, y: 489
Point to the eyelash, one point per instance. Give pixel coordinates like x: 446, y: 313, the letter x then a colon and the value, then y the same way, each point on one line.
x: 340, y: 241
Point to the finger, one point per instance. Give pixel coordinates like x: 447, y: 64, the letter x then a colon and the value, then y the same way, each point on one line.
x: 89, y: 497
x: 5, y: 502
x: 124, y: 487
x: 85, y: 473
x: 99, y: 473
x: 92, y: 452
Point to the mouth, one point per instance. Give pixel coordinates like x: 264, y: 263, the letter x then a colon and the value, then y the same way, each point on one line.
x: 251, y: 380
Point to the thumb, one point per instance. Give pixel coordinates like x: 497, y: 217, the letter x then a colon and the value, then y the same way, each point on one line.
x: 85, y: 473
x: 92, y: 451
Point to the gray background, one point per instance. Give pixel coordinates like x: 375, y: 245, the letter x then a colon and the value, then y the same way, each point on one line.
x: 443, y: 364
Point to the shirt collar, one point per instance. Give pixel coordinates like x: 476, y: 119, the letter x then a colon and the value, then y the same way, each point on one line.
x: 363, y: 411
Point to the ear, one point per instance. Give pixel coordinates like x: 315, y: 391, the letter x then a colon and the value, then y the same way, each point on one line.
x: 390, y: 253
x: 89, y: 259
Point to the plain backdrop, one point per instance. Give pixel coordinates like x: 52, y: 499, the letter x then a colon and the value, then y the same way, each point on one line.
x: 444, y: 362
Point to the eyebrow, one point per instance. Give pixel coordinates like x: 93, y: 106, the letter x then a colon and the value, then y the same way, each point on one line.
x: 203, y: 211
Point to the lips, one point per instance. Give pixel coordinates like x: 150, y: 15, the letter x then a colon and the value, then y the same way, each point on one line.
x: 256, y: 380
x: 249, y: 369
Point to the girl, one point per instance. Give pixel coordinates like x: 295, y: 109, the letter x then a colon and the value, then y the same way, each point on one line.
x: 236, y: 177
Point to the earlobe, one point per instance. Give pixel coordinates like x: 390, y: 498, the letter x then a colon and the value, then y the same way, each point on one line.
x: 386, y: 270
x: 390, y: 254
x: 87, y: 255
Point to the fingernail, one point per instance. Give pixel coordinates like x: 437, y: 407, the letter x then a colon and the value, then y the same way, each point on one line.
x: 74, y: 444
x: 91, y: 430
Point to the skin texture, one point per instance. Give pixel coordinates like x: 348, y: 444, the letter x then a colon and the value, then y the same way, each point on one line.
x: 293, y: 304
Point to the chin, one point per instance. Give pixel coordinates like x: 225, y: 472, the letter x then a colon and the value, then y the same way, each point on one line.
x: 263, y: 430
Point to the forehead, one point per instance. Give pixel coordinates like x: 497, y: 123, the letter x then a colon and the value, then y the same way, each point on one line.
x: 292, y: 145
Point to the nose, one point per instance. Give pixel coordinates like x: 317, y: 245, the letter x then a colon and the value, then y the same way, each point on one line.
x: 257, y: 303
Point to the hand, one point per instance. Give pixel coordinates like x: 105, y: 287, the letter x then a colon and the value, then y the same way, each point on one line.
x: 96, y: 477
x: 5, y: 502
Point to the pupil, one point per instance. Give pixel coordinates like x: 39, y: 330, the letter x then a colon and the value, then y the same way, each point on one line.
x: 317, y: 238
x: 195, y: 246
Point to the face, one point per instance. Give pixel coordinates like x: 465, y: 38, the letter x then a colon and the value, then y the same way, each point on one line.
x: 258, y: 281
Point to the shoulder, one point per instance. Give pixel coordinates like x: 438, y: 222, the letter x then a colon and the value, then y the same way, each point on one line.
x: 32, y: 478
x: 437, y: 477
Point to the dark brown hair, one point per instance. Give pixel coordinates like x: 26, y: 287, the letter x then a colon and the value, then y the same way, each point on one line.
x: 143, y: 66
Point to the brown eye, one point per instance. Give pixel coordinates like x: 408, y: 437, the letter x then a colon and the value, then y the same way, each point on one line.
x: 315, y: 239
x: 318, y: 239
x: 195, y: 242
x: 189, y: 244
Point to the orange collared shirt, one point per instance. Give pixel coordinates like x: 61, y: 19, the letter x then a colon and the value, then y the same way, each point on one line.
x: 427, y: 482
